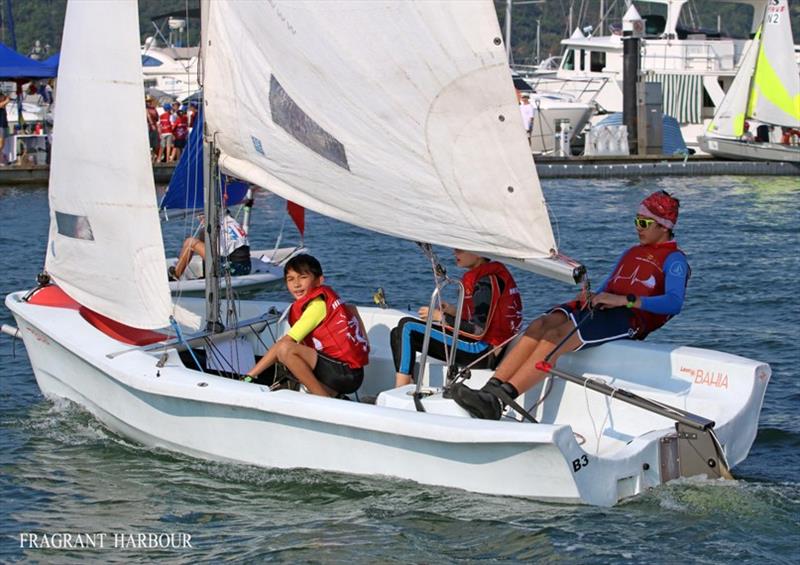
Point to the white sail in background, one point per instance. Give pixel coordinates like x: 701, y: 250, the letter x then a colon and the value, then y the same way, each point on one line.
x: 399, y: 117
x: 775, y: 96
x: 730, y: 116
x: 105, y: 248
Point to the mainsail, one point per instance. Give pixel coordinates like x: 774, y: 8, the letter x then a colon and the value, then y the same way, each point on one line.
x: 105, y: 248
x: 399, y: 117
x: 729, y: 118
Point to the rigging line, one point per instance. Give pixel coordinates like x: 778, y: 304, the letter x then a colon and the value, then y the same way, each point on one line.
x: 440, y: 278
x: 219, y: 357
x: 278, y: 239
x: 462, y: 373
x: 179, y: 335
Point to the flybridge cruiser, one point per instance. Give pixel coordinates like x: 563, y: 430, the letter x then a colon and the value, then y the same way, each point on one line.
x: 695, y: 67
x: 309, y: 112
x: 168, y: 64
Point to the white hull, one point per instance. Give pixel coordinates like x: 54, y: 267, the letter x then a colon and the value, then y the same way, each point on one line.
x: 548, y: 113
x: 750, y: 151
x: 177, y: 408
x: 266, y: 272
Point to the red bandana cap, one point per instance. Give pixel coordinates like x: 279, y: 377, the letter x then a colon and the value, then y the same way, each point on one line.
x: 662, y: 207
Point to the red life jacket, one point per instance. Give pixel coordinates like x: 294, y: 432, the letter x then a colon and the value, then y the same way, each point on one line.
x: 338, y: 336
x: 152, y: 119
x: 164, y: 123
x: 505, y: 312
x: 181, y: 127
x: 641, y: 272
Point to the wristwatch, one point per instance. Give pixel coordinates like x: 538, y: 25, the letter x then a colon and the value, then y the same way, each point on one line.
x: 631, y: 300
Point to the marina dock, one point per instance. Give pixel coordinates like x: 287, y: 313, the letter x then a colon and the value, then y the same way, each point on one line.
x: 635, y: 166
x: 547, y: 167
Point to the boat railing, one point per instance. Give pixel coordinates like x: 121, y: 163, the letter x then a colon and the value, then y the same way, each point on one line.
x: 687, y: 55
x: 255, y: 325
x: 579, y: 88
x: 436, y: 300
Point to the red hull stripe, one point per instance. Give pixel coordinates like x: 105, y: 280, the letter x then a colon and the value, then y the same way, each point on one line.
x: 54, y: 297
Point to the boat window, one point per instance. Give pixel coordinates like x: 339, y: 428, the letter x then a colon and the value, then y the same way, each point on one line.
x: 654, y: 24
x: 521, y: 85
x: 598, y: 61
x: 76, y: 227
x: 569, y: 60
x: 583, y: 60
x: 148, y: 61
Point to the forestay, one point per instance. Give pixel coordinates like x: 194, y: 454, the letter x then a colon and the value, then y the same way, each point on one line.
x: 105, y: 248
x: 399, y: 117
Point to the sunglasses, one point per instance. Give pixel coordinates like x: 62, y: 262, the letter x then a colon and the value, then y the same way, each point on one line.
x: 643, y: 223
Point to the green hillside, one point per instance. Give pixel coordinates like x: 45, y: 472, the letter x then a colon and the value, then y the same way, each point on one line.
x: 43, y: 20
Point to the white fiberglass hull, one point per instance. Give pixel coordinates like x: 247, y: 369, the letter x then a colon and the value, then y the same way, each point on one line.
x: 184, y: 410
x: 549, y: 114
x: 751, y: 151
x: 266, y: 271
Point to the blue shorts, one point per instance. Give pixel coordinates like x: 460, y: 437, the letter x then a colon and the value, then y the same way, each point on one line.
x: 605, y: 325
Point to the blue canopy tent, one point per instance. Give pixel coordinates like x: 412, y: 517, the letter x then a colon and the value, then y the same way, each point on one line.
x: 20, y: 68
x: 52, y: 63
x: 14, y: 66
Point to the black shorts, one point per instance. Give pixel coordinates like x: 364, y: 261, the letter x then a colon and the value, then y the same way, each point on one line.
x: 338, y: 376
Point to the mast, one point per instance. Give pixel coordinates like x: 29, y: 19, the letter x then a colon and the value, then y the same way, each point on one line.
x: 210, y: 203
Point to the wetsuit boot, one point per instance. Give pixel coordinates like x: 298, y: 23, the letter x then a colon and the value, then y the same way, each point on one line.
x: 487, y: 403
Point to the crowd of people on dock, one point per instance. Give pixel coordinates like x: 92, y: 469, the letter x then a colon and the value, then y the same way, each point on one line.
x: 169, y: 129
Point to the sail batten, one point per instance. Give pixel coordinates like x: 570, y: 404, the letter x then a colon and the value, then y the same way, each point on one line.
x: 399, y: 117
x: 105, y: 248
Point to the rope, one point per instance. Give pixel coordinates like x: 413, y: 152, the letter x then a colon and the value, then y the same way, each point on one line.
x: 462, y: 373
x: 179, y: 335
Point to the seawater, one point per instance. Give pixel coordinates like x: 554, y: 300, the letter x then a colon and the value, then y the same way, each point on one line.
x: 63, y: 472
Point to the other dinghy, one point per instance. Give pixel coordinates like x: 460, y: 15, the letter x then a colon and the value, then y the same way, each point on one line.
x: 185, y: 195
x: 766, y: 89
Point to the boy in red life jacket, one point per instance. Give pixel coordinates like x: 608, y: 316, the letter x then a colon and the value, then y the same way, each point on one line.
x: 645, y: 289
x: 491, y: 314
x: 326, y: 347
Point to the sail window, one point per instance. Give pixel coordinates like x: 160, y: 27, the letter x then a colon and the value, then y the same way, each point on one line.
x: 289, y: 116
x: 76, y: 227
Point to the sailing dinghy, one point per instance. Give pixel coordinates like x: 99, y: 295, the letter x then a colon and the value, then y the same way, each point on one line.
x: 397, y: 116
x: 184, y: 195
x: 766, y: 89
